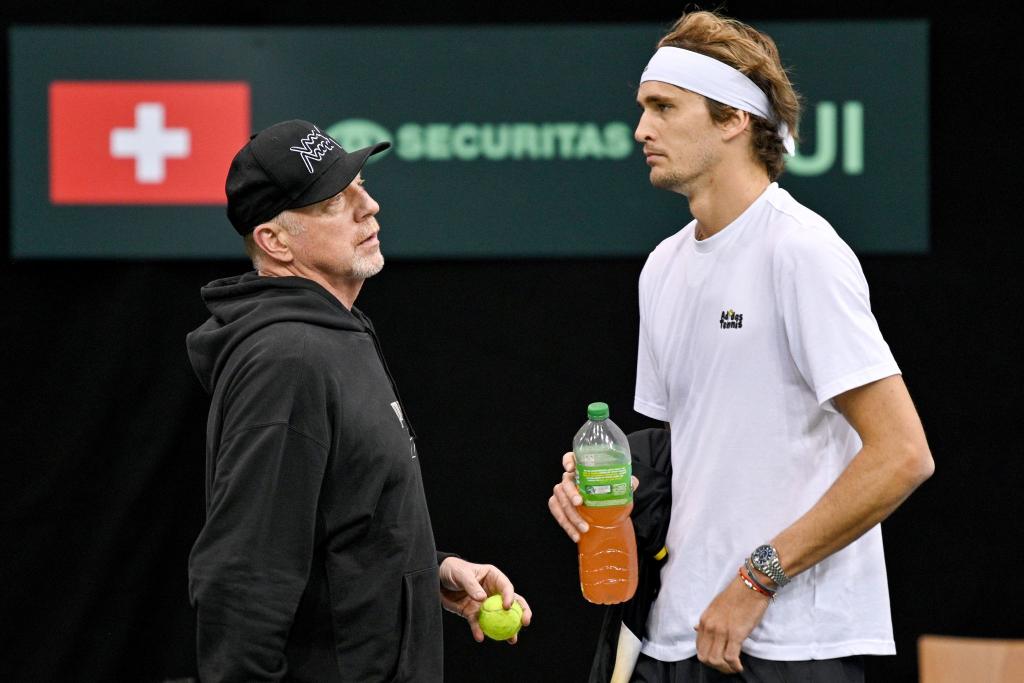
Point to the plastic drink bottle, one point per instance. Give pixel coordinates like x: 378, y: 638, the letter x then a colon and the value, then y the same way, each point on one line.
x: 608, y: 568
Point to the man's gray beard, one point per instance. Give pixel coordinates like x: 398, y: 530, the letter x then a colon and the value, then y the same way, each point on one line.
x: 366, y: 267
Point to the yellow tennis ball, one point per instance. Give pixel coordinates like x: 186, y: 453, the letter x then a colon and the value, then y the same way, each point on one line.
x: 498, y: 623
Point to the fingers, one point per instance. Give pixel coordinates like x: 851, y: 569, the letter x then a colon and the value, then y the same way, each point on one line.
x: 527, y: 612
x: 478, y: 581
x: 565, y: 499
x: 635, y: 483
x: 718, y: 649
x: 472, y: 615
x: 472, y: 583
x: 563, y: 505
x: 527, y: 617
x: 474, y: 623
x: 495, y: 581
x: 569, y: 491
x: 460, y: 575
x: 474, y: 626
x: 483, y: 580
x: 731, y: 656
x: 704, y: 642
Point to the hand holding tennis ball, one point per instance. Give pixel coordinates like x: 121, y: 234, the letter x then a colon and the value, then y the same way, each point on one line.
x: 464, y: 590
x: 498, y: 623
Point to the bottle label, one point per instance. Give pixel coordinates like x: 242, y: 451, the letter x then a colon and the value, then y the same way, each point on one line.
x: 604, y: 485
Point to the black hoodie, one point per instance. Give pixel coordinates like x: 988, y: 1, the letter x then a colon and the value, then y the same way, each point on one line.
x: 317, y: 560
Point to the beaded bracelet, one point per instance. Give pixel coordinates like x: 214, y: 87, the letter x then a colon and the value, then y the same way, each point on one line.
x: 757, y: 588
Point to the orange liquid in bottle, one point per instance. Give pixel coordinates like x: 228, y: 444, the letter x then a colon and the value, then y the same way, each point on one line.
x: 608, y: 569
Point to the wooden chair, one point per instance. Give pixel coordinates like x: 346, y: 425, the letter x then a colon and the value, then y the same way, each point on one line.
x: 951, y: 659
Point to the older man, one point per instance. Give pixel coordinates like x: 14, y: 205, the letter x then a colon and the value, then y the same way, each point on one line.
x: 317, y: 559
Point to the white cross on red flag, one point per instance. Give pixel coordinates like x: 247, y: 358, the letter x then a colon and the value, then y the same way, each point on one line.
x: 123, y: 142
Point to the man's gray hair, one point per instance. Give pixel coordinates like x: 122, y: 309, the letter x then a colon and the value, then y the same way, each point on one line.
x: 287, y: 221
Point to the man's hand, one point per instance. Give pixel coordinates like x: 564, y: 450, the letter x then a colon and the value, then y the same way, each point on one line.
x: 565, y: 499
x: 465, y: 585
x: 726, y: 623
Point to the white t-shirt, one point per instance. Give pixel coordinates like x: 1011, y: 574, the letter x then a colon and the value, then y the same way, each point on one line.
x: 745, y: 337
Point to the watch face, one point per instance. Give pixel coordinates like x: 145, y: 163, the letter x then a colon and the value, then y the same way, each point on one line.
x: 763, y: 555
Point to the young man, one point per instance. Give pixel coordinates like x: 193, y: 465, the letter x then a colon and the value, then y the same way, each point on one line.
x: 793, y: 434
x: 317, y: 559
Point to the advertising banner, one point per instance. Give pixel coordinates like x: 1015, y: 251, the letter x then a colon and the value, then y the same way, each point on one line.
x: 508, y: 141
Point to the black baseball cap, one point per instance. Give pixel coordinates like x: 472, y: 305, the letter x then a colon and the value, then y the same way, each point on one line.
x: 287, y: 166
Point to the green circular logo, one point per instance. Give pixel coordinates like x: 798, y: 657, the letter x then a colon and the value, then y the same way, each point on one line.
x: 355, y: 134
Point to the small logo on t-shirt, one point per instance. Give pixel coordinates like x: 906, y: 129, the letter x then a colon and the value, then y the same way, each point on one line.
x: 731, y: 320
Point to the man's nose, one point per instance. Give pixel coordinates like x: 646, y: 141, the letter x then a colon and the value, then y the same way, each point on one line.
x: 643, y: 129
x: 369, y: 207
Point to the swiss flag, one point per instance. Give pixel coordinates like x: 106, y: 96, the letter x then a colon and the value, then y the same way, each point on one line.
x: 144, y: 142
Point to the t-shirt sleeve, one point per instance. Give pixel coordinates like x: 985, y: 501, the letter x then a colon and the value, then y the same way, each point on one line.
x: 833, y: 336
x: 651, y: 397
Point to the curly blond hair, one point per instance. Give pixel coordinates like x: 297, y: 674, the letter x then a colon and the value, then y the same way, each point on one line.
x: 755, y: 55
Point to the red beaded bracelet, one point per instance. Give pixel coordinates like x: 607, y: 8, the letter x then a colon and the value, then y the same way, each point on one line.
x: 754, y: 586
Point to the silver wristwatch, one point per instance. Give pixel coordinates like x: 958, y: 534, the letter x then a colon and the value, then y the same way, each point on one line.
x: 766, y: 560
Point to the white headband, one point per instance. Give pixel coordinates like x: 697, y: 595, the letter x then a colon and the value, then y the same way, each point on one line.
x: 715, y: 80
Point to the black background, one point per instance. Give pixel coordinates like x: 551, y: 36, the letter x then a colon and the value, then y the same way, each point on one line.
x: 103, y: 422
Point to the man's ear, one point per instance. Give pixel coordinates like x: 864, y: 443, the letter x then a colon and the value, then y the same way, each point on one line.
x: 272, y: 239
x: 737, y: 122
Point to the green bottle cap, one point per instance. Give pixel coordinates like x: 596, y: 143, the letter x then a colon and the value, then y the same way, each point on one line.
x: 597, y: 411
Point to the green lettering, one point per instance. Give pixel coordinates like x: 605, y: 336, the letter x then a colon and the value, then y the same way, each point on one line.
x: 505, y: 141
x: 465, y: 142
x: 437, y: 137
x: 618, y: 140
x: 566, y: 136
x: 589, y: 143
x: 825, y: 129
x: 549, y: 133
x: 524, y: 141
x: 853, y: 138
x: 409, y: 145
x: 494, y: 141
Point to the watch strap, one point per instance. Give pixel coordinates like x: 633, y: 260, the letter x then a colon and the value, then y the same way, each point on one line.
x: 765, y: 559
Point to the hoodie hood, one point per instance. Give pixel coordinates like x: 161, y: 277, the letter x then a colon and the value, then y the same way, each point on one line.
x: 244, y: 304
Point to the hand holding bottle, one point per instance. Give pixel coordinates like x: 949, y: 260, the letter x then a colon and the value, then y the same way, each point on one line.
x: 565, y: 499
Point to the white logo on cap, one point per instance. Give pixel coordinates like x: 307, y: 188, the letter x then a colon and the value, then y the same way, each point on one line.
x: 315, y: 146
